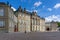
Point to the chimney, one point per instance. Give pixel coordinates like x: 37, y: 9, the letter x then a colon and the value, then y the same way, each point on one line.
x: 24, y: 10
x: 10, y: 5
x: 20, y: 9
x: 7, y: 3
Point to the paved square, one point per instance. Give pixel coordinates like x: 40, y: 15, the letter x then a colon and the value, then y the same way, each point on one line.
x: 31, y: 36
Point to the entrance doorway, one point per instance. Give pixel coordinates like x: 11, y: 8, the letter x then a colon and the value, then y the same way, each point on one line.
x: 15, y: 28
x: 47, y: 29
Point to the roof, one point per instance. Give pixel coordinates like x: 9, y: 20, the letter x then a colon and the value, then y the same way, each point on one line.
x: 6, y: 4
x: 3, y: 3
x: 42, y: 18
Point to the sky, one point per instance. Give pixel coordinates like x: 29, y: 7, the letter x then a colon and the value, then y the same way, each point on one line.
x: 48, y: 9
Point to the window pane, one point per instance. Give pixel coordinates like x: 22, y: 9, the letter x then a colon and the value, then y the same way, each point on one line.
x: 1, y: 12
x: 2, y: 23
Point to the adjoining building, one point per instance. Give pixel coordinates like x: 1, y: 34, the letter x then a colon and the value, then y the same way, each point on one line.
x: 23, y: 20
x: 48, y: 26
x: 42, y: 24
x: 8, y: 21
x: 35, y: 22
x: 38, y: 24
x: 51, y: 26
x: 54, y: 26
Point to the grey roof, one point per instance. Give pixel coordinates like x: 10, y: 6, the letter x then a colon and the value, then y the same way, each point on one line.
x: 3, y: 3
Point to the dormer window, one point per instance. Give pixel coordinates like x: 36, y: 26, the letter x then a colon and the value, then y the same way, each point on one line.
x: 34, y: 13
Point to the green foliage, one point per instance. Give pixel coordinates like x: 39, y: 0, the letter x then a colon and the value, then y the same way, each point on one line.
x: 58, y: 24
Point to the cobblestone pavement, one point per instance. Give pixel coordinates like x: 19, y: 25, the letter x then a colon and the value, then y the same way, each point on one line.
x: 31, y: 36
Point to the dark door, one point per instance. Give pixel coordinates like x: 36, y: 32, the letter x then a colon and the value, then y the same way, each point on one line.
x: 15, y: 29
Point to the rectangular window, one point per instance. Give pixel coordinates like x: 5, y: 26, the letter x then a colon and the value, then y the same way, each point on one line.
x: 33, y: 21
x: 2, y: 23
x: 1, y: 11
x: 21, y: 22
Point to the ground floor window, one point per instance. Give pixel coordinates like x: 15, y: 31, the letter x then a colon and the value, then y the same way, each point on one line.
x: 2, y: 23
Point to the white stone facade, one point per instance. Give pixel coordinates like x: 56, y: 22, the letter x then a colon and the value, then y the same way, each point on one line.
x: 12, y: 20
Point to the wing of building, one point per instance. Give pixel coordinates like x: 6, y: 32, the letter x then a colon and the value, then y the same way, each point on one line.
x: 8, y: 21
x: 51, y: 26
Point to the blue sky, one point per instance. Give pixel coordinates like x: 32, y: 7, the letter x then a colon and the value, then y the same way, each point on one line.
x: 44, y: 8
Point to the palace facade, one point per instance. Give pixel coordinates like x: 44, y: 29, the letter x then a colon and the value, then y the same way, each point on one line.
x: 19, y: 20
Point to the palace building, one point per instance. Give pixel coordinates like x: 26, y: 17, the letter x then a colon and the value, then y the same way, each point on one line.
x: 19, y: 20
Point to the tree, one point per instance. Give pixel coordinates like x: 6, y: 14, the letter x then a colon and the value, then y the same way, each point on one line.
x: 58, y: 24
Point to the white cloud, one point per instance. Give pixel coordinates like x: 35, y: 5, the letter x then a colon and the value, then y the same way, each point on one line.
x: 35, y: 10
x: 29, y: 10
x: 52, y: 18
x: 36, y: 4
x: 57, y: 6
x: 13, y: 8
x: 49, y: 9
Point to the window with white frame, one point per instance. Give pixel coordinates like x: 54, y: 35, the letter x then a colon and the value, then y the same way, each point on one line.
x: 2, y: 23
x: 1, y: 11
